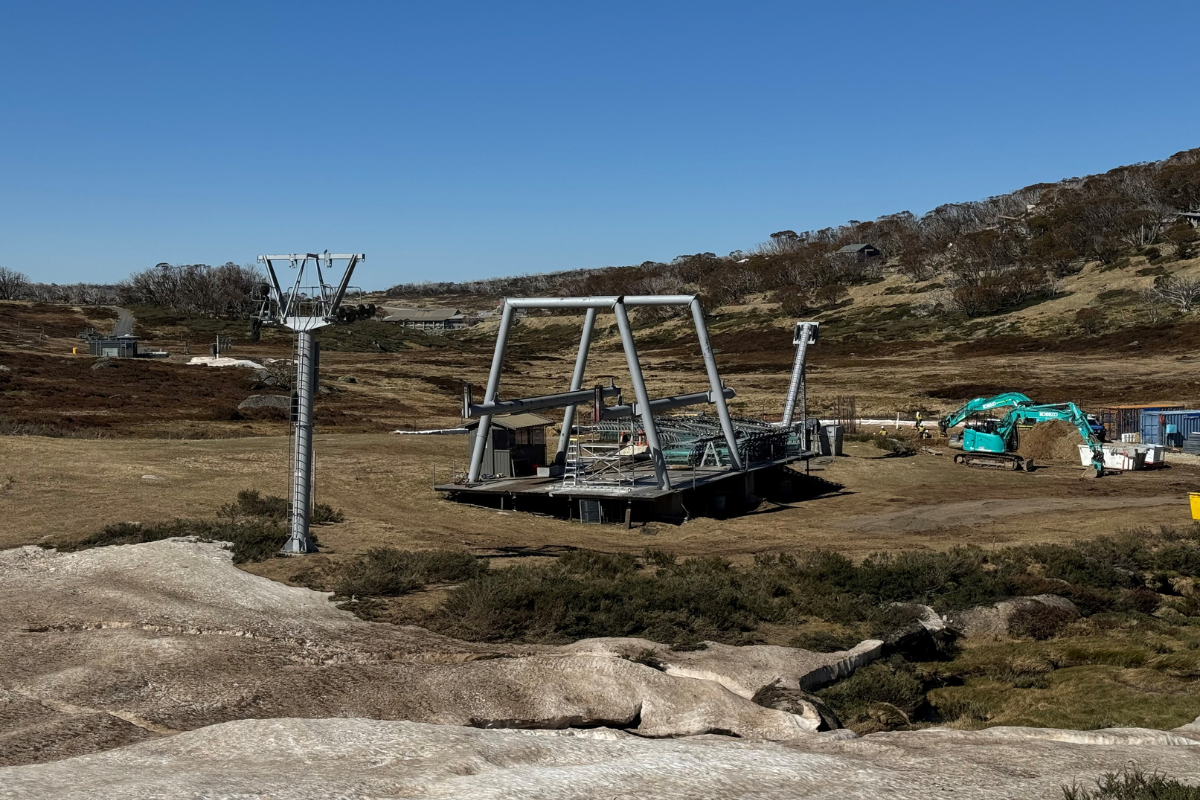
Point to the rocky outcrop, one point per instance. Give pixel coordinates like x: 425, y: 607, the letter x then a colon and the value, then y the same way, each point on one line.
x: 742, y: 670
x: 114, y: 645
x: 307, y: 759
x: 280, y: 401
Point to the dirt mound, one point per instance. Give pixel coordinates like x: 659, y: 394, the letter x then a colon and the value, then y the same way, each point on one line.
x: 1055, y: 440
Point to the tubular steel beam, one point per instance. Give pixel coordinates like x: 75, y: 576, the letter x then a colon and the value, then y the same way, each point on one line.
x: 537, y: 403
x: 643, y: 399
x: 665, y: 404
x: 300, y: 541
x: 489, y: 396
x: 585, y: 344
x: 714, y: 379
x: 806, y: 334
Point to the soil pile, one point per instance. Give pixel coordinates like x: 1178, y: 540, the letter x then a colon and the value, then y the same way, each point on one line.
x: 1055, y: 440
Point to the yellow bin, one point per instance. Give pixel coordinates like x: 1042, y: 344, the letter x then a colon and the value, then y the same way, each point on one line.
x: 1194, y: 497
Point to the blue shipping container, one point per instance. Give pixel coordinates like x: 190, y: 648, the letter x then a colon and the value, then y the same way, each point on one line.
x: 1154, y: 426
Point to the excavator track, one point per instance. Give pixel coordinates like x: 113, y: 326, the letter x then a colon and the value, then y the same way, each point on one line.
x: 1004, y: 461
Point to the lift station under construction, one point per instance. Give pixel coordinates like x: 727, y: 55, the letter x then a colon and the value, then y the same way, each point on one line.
x: 635, y: 460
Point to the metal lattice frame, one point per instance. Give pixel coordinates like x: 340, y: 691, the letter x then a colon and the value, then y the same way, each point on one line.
x: 304, y: 309
x: 644, y: 407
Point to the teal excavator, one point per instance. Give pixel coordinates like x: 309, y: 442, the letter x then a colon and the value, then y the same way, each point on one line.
x: 992, y: 444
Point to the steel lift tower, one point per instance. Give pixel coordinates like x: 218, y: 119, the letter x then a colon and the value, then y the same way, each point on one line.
x: 303, y: 308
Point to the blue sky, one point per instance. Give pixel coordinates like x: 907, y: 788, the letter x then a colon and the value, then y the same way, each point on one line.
x: 461, y: 140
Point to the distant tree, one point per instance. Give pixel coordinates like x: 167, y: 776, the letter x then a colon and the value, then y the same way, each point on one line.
x: 1184, y: 237
x: 1152, y: 304
x: 1182, y: 293
x: 1090, y: 320
x: 12, y: 284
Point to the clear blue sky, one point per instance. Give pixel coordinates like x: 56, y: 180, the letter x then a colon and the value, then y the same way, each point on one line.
x: 459, y: 140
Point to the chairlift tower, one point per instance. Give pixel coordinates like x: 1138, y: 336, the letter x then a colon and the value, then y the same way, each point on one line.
x: 305, y: 307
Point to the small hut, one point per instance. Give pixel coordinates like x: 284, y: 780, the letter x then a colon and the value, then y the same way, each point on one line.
x: 114, y: 346
x: 516, y: 446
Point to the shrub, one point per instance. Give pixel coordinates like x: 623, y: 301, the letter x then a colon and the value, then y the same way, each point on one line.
x: 885, y: 694
x: 1039, y: 621
x: 1132, y: 784
x: 897, y: 447
x: 255, y: 540
x: 823, y: 641
x: 388, y: 572
x: 250, y: 503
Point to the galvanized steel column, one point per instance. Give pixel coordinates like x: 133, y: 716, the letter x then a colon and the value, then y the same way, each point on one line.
x: 489, y: 396
x: 302, y: 455
x: 643, y: 399
x: 714, y: 380
x: 794, y: 387
x: 585, y: 342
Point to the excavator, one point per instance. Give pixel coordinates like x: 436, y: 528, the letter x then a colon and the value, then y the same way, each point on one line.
x: 992, y: 444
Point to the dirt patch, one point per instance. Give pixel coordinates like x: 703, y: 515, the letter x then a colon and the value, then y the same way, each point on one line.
x: 1055, y: 440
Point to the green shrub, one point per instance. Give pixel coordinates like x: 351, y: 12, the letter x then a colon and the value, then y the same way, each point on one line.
x: 823, y: 641
x: 252, y: 504
x: 1132, y: 784
x: 388, y: 572
x: 897, y: 447
x: 1038, y: 621
x: 254, y: 540
x: 886, y: 694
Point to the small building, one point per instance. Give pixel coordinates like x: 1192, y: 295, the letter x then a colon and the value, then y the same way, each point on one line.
x: 114, y: 346
x: 516, y: 446
x: 426, y: 319
x: 860, y: 251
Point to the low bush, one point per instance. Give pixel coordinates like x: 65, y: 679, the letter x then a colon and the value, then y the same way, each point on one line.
x: 254, y: 540
x: 885, y: 694
x: 897, y: 447
x: 388, y: 572
x: 823, y: 641
x: 252, y: 504
x: 254, y: 525
x: 1132, y: 784
x: 1038, y: 621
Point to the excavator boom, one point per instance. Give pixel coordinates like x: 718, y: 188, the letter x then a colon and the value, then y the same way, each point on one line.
x: 994, y: 449
x: 980, y: 404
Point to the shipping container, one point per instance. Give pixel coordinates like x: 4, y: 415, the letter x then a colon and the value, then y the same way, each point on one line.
x: 1118, y: 420
x: 1154, y: 425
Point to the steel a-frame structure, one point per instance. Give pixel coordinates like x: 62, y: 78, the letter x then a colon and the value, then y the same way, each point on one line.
x: 643, y: 408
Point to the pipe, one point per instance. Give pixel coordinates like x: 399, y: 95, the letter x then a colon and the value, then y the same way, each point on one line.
x: 601, y: 302
x: 804, y: 336
x: 643, y: 398
x: 585, y: 343
x: 493, y: 385
x: 664, y: 404
x: 714, y: 380
x: 537, y: 403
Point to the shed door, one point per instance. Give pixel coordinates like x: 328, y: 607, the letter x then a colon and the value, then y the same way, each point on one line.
x: 110, y: 352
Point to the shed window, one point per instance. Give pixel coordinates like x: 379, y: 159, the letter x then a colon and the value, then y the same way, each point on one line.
x: 534, y: 435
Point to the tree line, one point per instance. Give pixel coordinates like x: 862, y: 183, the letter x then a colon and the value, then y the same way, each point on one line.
x: 990, y: 255
x: 229, y: 290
